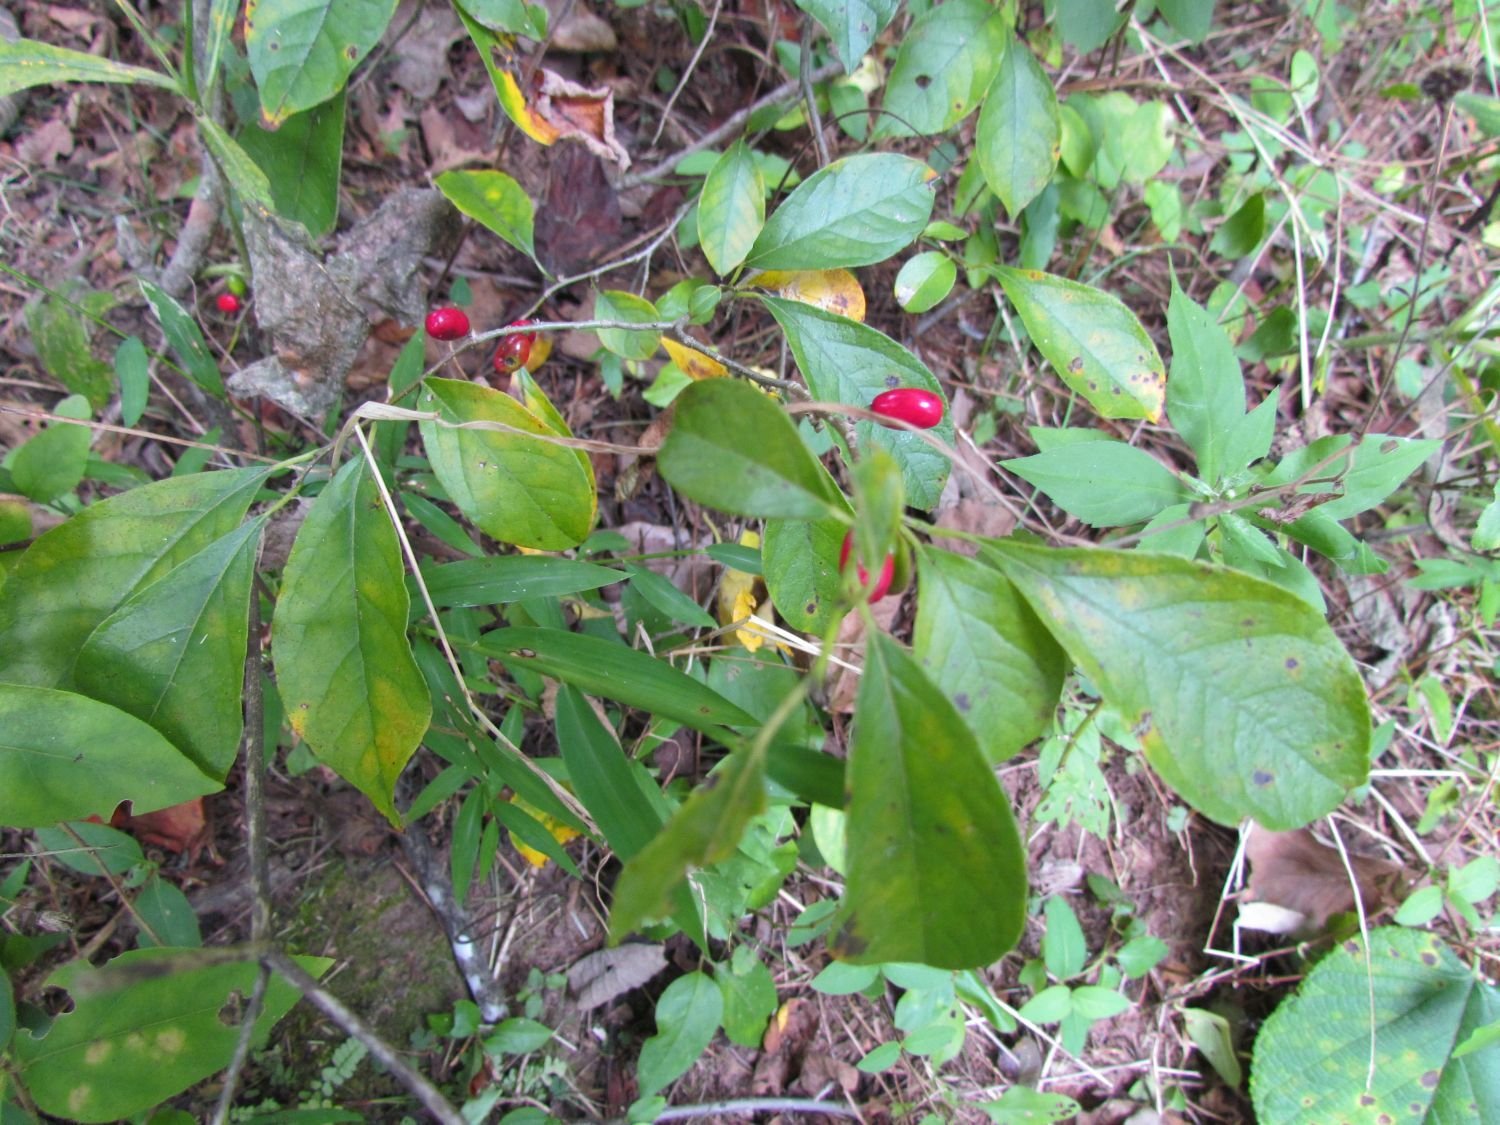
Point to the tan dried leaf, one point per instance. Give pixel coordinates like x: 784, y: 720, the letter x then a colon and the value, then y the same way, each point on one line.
x: 600, y: 977
x: 585, y: 113
x: 1296, y: 872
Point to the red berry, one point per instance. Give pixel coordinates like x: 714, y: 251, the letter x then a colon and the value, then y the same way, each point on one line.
x: 887, y: 572
x: 447, y: 324
x: 227, y: 303
x: 911, y: 405
x: 514, y: 350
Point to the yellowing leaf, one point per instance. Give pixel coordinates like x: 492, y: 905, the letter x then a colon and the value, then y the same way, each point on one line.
x: 694, y: 364
x: 742, y: 597
x: 835, y: 291
x: 514, y: 104
x: 555, y: 828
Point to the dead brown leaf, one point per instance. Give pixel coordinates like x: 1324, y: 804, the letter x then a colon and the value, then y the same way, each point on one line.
x: 583, y: 113
x: 45, y: 145
x: 1295, y: 871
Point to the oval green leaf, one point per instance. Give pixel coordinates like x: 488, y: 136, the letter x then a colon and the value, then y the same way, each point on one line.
x: 1242, y: 697
x: 517, y: 487
x: 303, y: 51
x: 1093, y: 341
x: 734, y: 449
x: 344, y: 667
x: 687, y: 1016
x: 1103, y: 483
x: 852, y: 24
x: 173, y: 655
x: 1017, y: 140
x: 856, y: 212
x: 979, y: 639
x: 496, y: 202
x: 616, y: 304
x: 924, y: 280
x: 845, y: 361
x: 66, y: 757
x: 731, y: 208
x: 75, y: 575
x: 51, y: 463
x: 937, y: 870
x: 800, y: 559
x: 943, y: 68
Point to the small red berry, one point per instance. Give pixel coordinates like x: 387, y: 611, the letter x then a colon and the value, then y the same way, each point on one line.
x: 228, y: 304
x: 911, y: 405
x: 887, y: 572
x: 447, y: 324
x: 514, y: 350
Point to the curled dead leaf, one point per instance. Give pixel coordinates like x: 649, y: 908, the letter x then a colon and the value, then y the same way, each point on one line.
x: 585, y: 113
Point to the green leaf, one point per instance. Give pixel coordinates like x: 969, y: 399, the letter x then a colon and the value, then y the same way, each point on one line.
x: 517, y: 1036
x: 705, y: 830
x: 979, y: 639
x: 1250, y: 438
x: 1103, y: 483
x: 617, y: 791
x: 1205, y: 393
x: 303, y: 51
x: 496, y: 202
x: 852, y: 24
x: 858, y: 211
x: 66, y: 757
x: 344, y: 667
x: 1483, y: 109
x: 1313, y: 1056
x: 614, y: 671
x: 937, y: 870
x: 144, y: 1028
x: 845, y: 361
x: 687, y: 1015
x: 133, y: 371
x: 616, y: 304
x: 1240, y: 234
x: 173, y: 654
x: 731, y: 208
x: 1021, y: 1105
x: 241, y: 173
x: 91, y: 848
x: 50, y: 464
x: 1087, y: 24
x: 60, y: 335
x: 1095, y: 1003
x: 662, y: 595
x: 1049, y: 1005
x: 302, y: 161
x: 1019, y: 135
x: 497, y: 579
x: 1211, y: 1034
x: 1063, y: 945
x: 1093, y: 341
x: 942, y: 69
x: 513, y: 16
x: 924, y: 280
x: 168, y: 912
x: 1381, y: 462
x: 734, y: 449
x: 75, y: 575
x: 8, y: 1010
x: 184, y: 338
x: 27, y: 63
x: 800, y: 559
x: 1242, y: 697
x: 749, y: 993
x: 1189, y: 18
x: 517, y: 487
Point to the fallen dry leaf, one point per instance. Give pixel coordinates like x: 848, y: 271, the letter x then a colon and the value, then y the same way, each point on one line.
x: 583, y: 113
x: 1296, y: 872
x: 600, y: 977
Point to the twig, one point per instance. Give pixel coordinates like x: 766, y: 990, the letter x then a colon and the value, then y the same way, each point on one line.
x: 810, y: 99
x: 692, y: 65
x: 424, y: 1091
x: 757, y: 1105
x: 732, y: 124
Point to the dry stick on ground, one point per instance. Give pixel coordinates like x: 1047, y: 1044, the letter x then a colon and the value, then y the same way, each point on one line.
x: 783, y: 93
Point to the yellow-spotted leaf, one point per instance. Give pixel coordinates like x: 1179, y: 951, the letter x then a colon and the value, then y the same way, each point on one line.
x: 515, y: 485
x: 1092, y: 340
x: 351, y: 688
x: 694, y: 364
x: 835, y: 291
x: 303, y: 51
x: 492, y: 46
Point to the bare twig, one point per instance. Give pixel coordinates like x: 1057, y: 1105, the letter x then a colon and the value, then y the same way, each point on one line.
x: 810, y: 99
x: 692, y: 65
x: 420, y: 1088
x: 732, y: 125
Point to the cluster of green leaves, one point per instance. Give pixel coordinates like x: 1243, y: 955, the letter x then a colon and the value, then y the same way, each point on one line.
x: 131, y: 618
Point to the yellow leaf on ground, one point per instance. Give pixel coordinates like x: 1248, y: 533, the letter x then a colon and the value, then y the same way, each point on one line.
x: 835, y: 291
x: 694, y: 364
x: 555, y: 828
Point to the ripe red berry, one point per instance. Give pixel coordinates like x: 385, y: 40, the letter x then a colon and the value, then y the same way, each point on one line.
x: 447, y: 324
x: 514, y: 350
x: 911, y: 405
x: 227, y: 303
x: 887, y: 572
